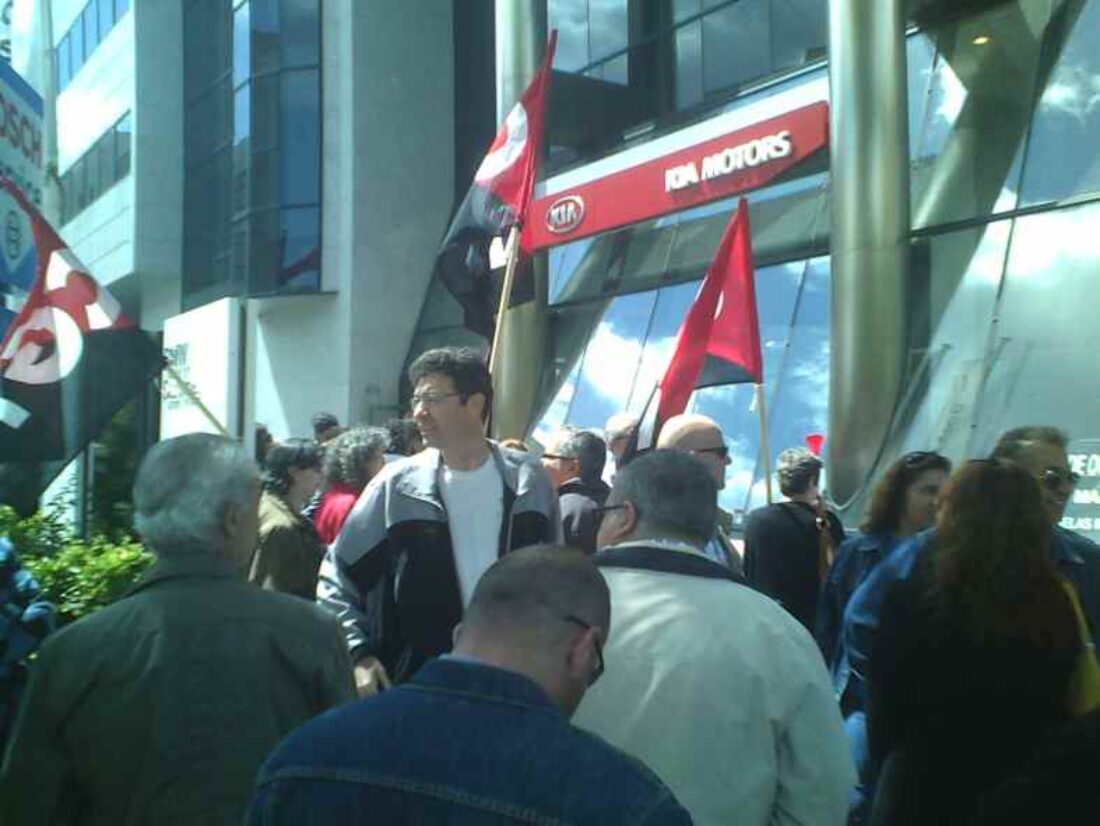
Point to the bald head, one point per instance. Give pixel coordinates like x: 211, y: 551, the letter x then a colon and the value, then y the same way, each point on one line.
x: 543, y: 612
x: 702, y: 437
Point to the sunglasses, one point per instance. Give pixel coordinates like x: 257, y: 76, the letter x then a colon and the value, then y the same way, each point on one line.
x: 721, y: 452
x: 605, y: 509
x: 558, y: 456
x: 597, y: 672
x: 1055, y: 478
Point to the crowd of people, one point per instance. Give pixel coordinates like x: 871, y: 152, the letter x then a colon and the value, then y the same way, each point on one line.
x: 416, y: 624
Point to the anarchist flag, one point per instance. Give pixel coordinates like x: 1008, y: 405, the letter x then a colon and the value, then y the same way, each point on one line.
x: 497, y: 200
x: 719, y: 342
x: 68, y: 362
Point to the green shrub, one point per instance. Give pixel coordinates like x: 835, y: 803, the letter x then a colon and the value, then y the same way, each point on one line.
x: 76, y: 576
x: 85, y: 576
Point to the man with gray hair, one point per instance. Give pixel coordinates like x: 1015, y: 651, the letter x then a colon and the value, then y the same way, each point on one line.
x: 161, y: 707
x: 712, y: 685
x: 789, y: 545
x: 480, y: 735
x: 617, y: 432
x: 575, y: 458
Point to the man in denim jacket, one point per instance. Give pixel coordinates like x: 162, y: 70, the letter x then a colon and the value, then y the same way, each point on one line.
x: 481, y: 735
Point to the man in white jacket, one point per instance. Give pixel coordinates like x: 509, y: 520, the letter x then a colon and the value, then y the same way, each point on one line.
x: 714, y: 686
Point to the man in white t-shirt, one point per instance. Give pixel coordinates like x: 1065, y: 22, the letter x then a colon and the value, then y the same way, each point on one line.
x: 427, y: 527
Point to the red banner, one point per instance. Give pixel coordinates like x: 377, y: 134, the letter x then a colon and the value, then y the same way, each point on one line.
x: 709, y: 171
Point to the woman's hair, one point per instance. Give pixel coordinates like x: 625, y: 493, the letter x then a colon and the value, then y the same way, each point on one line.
x: 888, y: 500
x: 349, y: 455
x: 284, y: 457
x: 991, y: 568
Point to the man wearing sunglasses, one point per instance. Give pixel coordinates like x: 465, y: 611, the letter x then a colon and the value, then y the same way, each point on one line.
x: 702, y: 438
x: 480, y: 735
x: 712, y: 685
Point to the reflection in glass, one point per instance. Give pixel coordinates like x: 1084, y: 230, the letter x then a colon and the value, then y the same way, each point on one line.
x: 689, y: 65
x: 300, y: 145
x: 736, y: 45
x: 1062, y: 156
x: 242, y: 52
x: 300, y: 21
x: 570, y: 18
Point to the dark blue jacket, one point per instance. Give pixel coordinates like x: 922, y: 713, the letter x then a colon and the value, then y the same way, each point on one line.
x: 854, y: 562
x: 461, y: 743
x: 1077, y: 558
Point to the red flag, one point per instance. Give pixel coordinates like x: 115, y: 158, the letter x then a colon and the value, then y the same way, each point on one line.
x: 719, y: 342
x: 497, y: 200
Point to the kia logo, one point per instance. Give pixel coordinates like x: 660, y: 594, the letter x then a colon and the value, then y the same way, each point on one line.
x: 565, y: 214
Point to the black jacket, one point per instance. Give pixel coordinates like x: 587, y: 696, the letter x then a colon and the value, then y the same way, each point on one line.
x: 390, y: 575
x: 580, y: 518
x: 781, y: 556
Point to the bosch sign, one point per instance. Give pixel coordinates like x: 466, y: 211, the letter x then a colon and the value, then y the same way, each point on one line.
x: 565, y: 214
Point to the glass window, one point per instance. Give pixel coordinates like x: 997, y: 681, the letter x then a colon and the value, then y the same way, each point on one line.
x: 799, y: 32
x: 265, y: 36
x: 91, y: 29
x: 121, y: 7
x: 1042, y: 362
x: 105, y: 9
x: 300, y: 22
x: 608, y: 30
x: 736, y: 45
x: 64, y: 64
x: 968, y: 143
x: 300, y: 245
x: 105, y: 148
x: 93, y: 181
x: 76, y: 46
x: 265, y: 112
x: 570, y: 18
x: 242, y: 52
x: 122, y: 148
x: 208, y: 123
x: 689, y: 65
x: 300, y: 147
x: 242, y: 114
x: 79, y: 193
x: 207, y: 45
x: 1062, y: 160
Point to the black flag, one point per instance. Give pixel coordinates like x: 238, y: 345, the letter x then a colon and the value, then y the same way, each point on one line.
x: 68, y: 362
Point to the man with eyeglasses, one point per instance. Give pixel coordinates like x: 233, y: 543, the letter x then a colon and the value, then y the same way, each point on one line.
x: 427, y: 527
x: 481, y: 735
x: 702, y: 438
x: 712, y: 685
x: 574, y: 458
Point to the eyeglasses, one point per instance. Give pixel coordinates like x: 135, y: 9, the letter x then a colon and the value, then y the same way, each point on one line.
x: 597, y: 672
x: 603, y: 510
x: 1055, y: 478
x: 721, y: 452
x: 559, y: 457
x: 430, y: 399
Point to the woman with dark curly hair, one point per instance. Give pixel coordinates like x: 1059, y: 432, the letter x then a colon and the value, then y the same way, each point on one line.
x: 974, y: 654
x: 288, y: 553
x: 903, y: 503
x: 351, y: 460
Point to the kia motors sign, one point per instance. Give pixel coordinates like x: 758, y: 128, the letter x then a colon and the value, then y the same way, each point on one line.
x: 688, y: 176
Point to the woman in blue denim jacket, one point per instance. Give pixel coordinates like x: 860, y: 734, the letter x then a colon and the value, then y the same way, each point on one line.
x: 903, y: 504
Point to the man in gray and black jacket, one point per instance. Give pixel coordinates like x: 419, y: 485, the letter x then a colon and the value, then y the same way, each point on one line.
x: 427, y: 527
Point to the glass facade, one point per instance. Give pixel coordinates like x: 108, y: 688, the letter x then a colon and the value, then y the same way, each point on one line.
x: 624, y: 66
x: 90, y: 28
x: 1006, y: 202
x: 252, y: 149
x: 105, y: 163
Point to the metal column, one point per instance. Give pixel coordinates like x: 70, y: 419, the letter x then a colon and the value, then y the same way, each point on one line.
x: 520, y: 44
x: 870, y: 202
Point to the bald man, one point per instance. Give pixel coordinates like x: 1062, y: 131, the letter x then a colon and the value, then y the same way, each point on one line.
x: 702, y: 437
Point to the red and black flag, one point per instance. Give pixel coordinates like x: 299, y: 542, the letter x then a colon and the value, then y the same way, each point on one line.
x: 497, y: 201
x: 68, y: 362
x: 719, y: 342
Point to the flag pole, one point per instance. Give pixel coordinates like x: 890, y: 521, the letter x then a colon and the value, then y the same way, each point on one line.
x: 511, y: 251
x: 765, y: 448
x: 193, y: 397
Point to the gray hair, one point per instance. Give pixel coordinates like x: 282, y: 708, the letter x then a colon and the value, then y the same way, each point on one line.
x: 1013, y: 443
x: 797, y: 469
x: 587, y: 448
x: 528, y: 594
x: 347, y: 456
x: 620, y: 426
x: 674, y: 493
x: 184, y: 488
